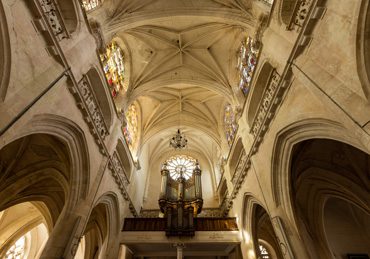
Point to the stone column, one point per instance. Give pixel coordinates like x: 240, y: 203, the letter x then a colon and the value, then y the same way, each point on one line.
x: 164, y: 173
x: 197, y: 179
x: 62, y: 240
x: 180, y: 249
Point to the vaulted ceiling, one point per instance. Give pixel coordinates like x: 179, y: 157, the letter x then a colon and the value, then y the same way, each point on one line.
x: 182, y: 58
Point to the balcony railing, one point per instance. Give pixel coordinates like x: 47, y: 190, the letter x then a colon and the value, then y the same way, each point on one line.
x: 54, y: 18
x: 265, y: 104
x: 118, y: 166
x: 299, y: 15
x: 200, y: 224
x: 89, y: 106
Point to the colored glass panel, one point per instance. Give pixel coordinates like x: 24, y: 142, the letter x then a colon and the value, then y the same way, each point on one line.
x: 248, y: 56
x: 113, y: 66
x: 230, y: 124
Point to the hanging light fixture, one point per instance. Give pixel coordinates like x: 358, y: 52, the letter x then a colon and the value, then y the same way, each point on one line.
x: 178, y: 141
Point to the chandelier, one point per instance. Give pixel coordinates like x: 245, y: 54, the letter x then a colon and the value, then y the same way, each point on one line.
x: 178, y: 141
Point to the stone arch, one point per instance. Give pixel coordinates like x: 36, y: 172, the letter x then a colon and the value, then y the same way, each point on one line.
x: 102, y: 227
x: 125, y: 157
x: 259, y: 88
x: 69, y: 11
x: 102, y: 95
x: 236, y: 154
x: 323, y: 169
x: 363, y: 46
x: 286, y: 10
x: 257, y: 227
x: 283, y: 145
x: 73, y: 138
x: 28, y: 221
x: 35, y: 168
x: 5, y: 54
x: 344, y: 223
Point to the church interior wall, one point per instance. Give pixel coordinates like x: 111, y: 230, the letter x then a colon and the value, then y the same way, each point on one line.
x: 81, y: 212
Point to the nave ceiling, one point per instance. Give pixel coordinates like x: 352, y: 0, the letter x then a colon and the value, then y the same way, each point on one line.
x: 181, y: 58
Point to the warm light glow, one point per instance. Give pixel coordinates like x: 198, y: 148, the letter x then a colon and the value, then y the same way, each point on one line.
x: 131, y: 130
x: 16, y: 251
x: 181, y: 164
x: 113, y: 66
x: 90, y: 5
x: 247, y: 237
x: 251, y: 254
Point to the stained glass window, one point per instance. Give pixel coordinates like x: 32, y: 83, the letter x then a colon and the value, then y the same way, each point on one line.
x: 181, y: 164
x: 230, y: 124
x: 130, y: 131
x: 113, y: 66
x: 247, y: 62
x: 89, y: 5
x: 264, y: 253
x: 16, y: 251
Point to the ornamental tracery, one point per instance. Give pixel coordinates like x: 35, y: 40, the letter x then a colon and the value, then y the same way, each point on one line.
x: 264, y: 252
x: 181, y: 165
x: 247, y: 62
x: 114, y: 69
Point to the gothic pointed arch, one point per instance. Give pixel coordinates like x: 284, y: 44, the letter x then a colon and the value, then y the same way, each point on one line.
x: 257, y: 226
x: 261, y: 83
x: 102, y: 95
x: 363, y: 47
x: 72, y: 137
x: 102, y: 227
x: 5, y: 54
x: 237, y: 155
x: 324, y: 174
x: 125, y: 158
x: 282, y: 150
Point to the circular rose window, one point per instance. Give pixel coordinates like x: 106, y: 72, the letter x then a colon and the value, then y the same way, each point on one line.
x: 181, y: 165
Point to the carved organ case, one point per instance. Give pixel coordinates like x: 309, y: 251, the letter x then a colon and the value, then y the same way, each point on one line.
x: 181, y: 196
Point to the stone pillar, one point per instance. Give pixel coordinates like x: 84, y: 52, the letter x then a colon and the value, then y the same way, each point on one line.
x: 197, y: 179
x: 164, y: 173
x: 180, y: 249
x: 62, y: 241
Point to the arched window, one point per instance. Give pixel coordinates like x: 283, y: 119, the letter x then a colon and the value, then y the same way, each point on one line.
x: 16, y: 251
x: 181, y: 165
x: 113, y: 66
x: 264, y: 252
x: 230, y: 124
x: 90, y: 5
x: 247, y: 61
x: 130, y: 131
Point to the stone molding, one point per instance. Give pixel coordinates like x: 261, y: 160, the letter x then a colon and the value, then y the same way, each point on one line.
x: 91, y: 111
x: 271, y: 100
x: 122, y: 185
x: 118, y: 167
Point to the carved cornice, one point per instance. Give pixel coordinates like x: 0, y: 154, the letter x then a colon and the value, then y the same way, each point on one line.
x: 89, y: 106
x: 122, y: 183
x: 118, y: 167
x: 271, y: 101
